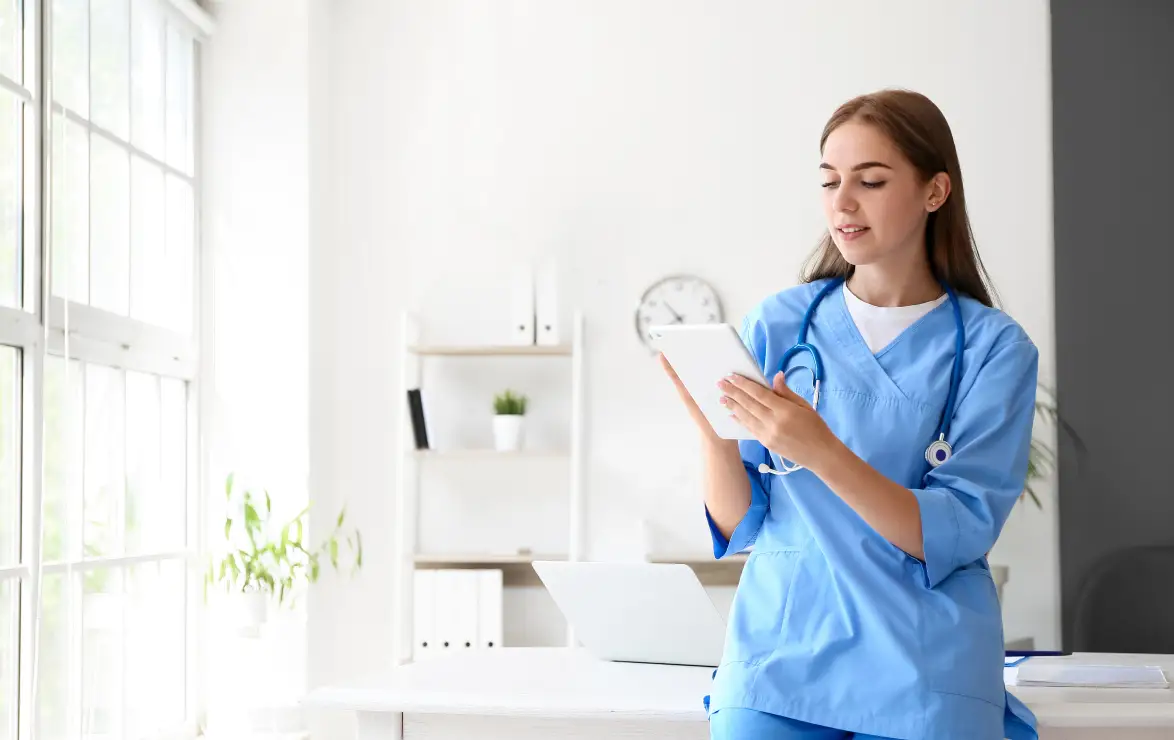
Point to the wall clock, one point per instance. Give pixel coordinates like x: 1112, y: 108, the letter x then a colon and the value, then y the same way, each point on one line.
x: 677, y: 299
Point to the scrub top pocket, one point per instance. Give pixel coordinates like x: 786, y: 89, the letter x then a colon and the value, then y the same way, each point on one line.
x: 965, y: 621
x: 756, y: 615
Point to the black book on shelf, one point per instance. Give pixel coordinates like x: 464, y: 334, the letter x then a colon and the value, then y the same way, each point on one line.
x: 419, y: 428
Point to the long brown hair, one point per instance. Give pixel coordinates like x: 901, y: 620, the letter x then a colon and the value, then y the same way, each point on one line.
x: 918, y: 128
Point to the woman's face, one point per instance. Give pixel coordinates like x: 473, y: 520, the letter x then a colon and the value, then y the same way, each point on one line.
x: 874, y: 200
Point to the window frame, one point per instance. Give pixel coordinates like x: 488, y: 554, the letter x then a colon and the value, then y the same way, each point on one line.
x: 46, y: 324
x: 21, y: 328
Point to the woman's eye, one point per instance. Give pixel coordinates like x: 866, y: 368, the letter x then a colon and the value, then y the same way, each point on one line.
x: 829, y: 184
x: 872, y: 184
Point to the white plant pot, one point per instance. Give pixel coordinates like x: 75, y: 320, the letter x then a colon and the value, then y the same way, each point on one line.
x: 507, y: 432
x: 250, y: 612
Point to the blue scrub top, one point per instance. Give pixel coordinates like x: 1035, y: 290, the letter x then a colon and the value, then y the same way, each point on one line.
x: 832, y: 624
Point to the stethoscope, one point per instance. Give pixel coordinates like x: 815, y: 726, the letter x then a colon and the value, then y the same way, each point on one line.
x: 939, y: 450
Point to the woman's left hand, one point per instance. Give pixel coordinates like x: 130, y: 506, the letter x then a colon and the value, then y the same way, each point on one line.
x: 779, y: 418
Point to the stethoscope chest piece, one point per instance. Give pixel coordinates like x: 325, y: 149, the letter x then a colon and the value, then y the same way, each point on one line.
x: 938, y: 452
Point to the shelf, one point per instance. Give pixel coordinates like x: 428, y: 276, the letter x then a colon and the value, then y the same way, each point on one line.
x: 473, y: 558
x: 516, y: 569
x: 491, y: 350
x: 488, y: 454
x: 481, y: 558
x: 739, y: 560
x: 709, y: 571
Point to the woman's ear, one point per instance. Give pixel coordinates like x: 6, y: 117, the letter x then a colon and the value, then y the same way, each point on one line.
x: 939, y: 190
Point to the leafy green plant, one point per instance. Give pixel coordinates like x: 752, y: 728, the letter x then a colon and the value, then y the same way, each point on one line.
x: 263, y: 557
x: 1041, y: 462
x: 509, y: 403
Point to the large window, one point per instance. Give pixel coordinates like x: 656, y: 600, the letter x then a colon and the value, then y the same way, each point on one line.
x: 98, y: 358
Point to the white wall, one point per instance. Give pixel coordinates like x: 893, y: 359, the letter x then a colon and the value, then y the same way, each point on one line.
x: 628, y: 141
x: 255, y: 151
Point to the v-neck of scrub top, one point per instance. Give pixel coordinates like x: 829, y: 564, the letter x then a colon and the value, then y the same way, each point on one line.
x: 887, y: 373
x: 879, y: 326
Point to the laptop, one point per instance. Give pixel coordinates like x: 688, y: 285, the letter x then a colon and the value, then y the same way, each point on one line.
x: 637, y: 612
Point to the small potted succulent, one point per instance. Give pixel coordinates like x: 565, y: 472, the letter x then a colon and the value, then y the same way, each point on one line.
x: 509, y: 412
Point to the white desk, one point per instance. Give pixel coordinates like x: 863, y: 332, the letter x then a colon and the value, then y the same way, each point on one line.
x: 515, y: 693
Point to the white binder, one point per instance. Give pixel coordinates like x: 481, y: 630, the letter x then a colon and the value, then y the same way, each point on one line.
x: 456, y: 610
x: 521, y: 284
x: 423, y: 615
x: 546, y: 304
x: 489, y: 632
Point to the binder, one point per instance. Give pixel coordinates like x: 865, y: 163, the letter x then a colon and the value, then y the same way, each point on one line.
x: 423, y: 615
x: 521, y: 284
x: 419, y: 426
x: 489, y: 631
x: 546, y: 304
x: 444, y: 619
x: 456, y: 610
x: 467, y: 611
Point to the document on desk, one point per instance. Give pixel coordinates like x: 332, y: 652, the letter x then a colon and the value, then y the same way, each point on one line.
x: 1047, y: 673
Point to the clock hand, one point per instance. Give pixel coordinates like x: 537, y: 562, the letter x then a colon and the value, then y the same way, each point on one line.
x: 677, y: 318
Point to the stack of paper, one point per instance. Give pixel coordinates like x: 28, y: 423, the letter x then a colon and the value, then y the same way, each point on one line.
x: 1099, y: 676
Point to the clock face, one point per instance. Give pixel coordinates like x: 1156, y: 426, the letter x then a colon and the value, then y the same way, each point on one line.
x: 678, y: 299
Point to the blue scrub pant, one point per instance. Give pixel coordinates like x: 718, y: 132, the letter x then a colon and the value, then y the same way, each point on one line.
x: 736, y: 723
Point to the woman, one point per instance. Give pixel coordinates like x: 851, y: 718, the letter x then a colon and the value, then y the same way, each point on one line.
x: 866, y: 608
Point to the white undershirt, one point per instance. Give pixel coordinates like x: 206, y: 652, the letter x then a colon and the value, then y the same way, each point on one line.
x: 880, y: 325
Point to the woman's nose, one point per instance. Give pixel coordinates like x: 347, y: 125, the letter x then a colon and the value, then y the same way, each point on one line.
x: 843, y: 201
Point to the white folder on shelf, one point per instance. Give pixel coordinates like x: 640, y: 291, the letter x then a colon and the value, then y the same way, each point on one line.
x: 456, y: 610
x: 423, y: 614
x: 489, y: 627
x: 521, y: 286
x: 546, y: 303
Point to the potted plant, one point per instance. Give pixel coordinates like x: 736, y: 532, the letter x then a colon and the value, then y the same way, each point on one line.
x: 263, y: 560
x: 509, y: 411
x: 1041, y: 463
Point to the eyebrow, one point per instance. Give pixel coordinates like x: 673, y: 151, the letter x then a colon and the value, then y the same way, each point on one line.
x: 857, y: 168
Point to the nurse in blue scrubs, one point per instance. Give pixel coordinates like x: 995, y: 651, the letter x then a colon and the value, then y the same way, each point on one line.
x: 866, y: 608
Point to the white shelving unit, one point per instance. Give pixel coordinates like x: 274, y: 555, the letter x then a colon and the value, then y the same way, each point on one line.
x: 411, y: 462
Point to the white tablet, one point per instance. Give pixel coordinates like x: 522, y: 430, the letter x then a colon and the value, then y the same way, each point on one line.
x: 701, y: 355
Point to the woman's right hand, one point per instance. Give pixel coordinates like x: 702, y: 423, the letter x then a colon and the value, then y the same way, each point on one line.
x: 695, y: 412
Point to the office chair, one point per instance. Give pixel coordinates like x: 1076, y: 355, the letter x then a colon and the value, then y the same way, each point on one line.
x: 1127, y: 603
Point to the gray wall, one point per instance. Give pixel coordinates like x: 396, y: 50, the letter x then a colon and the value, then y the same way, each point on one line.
x: 1113, y: 97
